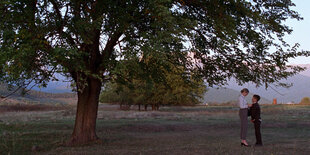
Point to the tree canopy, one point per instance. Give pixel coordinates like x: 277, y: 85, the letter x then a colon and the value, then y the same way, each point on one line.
x: 84, y: 39
x: 305, y: 100
x: 153, y: 80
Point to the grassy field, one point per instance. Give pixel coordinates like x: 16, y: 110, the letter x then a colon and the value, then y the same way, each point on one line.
x: 172, y: 130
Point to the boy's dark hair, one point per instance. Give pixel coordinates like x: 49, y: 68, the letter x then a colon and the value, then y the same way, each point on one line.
x: 257, y: 97
x: 244, y: 90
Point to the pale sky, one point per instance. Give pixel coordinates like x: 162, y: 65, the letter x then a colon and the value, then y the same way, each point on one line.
x: 301, y: 33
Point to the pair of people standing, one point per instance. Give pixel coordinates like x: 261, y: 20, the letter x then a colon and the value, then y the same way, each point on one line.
x: 252, y: 110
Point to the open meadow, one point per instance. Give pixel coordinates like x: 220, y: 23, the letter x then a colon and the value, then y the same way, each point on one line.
x: 171, y: 130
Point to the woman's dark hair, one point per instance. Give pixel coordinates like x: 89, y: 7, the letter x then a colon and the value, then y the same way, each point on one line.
x: 257, y: 97
x: 245, y: 90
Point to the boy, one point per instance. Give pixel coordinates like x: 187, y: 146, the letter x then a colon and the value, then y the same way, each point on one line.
x: 255, y: 118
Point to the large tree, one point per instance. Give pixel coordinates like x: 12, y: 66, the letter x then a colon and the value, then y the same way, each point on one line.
x: 83, y: 38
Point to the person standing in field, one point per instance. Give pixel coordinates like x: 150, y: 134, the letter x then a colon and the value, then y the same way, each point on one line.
x: 256, y: 119
x: 243, y: 114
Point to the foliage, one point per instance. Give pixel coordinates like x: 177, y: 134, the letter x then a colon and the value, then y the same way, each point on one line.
x: 305, y: 100
x: 171, y: 84
x: 78, y: 38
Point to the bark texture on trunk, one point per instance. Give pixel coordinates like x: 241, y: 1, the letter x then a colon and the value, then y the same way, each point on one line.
x: 86, y: 115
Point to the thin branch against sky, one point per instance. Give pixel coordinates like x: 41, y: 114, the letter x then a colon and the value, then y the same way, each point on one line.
x: 301, y: 32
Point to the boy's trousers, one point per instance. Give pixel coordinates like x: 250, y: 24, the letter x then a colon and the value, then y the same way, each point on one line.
x: 257, y: 132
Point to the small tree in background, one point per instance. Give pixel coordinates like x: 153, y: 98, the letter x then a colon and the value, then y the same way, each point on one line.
x: 305, y: 100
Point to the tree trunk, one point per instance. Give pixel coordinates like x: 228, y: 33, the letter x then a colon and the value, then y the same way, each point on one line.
x: 139, y: 107
x: 145, y: 107
x: 157, y: 107
x: 87, y: 107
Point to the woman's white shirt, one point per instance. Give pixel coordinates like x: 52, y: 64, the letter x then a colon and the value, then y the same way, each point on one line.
x: 242, y: 102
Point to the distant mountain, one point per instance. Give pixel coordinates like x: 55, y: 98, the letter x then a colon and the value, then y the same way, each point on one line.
x: 224, y: 95
x: 61, y: 86
x: 299, y: 90
x: 307, y: 71
x: 33, y: 96
x: 55, y: 87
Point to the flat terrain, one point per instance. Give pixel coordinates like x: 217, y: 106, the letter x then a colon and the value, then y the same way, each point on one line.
x: 171, y: 130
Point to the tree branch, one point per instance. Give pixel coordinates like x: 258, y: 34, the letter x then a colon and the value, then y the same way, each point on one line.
x: 10, y: 94
x: 62, y: 22
x: 111, y: 43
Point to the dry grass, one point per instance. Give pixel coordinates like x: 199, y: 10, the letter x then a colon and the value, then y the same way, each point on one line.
x: 30, y: 107
x: 172, y: 130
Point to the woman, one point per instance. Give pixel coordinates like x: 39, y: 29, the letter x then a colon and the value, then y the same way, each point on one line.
x: 243, y: 114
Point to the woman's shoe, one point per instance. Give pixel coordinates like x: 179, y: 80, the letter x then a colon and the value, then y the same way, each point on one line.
x: 242, y: 144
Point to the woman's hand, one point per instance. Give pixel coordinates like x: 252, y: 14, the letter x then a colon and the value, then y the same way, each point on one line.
x: 250, y: 105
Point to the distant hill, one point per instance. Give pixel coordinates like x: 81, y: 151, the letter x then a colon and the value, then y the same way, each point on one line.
x: 55, y: 87
x: 34, y: 96
x: 307, y: 71
x: 299, y: 90
x: 224, y: 95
